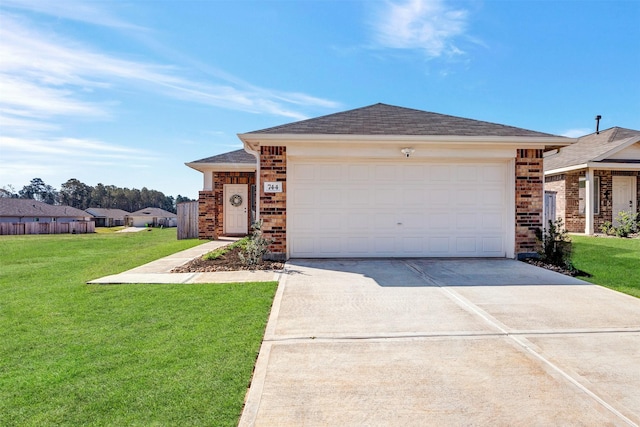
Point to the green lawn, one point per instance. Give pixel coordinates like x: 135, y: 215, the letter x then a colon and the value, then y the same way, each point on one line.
x: 75, y: 354
x: 612, y: 262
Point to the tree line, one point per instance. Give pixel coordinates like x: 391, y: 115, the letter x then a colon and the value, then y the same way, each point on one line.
x: 82, y: 196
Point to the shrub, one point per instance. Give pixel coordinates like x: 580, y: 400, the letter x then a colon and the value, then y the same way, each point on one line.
x: 215, y: 254
x: 556, y: 245
x: 628, y: 224
x: 256, y: 248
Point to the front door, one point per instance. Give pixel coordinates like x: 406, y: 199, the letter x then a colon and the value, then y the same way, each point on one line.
x: 624, y: 195
x: 235, y: 209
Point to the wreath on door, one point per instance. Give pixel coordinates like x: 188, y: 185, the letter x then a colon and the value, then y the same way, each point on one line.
x: 235, y: 200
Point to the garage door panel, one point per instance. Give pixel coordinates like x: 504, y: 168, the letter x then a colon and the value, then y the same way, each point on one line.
x: 392, y: 209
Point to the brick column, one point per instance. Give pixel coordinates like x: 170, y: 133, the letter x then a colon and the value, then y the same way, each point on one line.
x: 529, y: 200
x: 273, y: 206
x: 206, y: 215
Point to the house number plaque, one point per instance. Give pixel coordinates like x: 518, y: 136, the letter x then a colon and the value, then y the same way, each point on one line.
x: 273, y: 187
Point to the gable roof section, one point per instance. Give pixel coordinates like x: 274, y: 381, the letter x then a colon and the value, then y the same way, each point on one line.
x: 34, y: 208
x: 383, y: 119
x: 238, y: 160
x: 153, y: 212
x: 107, y: 212
x: 592, y: 148
x: 238, y: 156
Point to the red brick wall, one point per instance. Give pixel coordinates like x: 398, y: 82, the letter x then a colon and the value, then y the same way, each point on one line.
x: 219, y: 181
x: 206, y: 215
x: 529, y: 199
x: 605, y: 200
x: 273, y: 206
x: 574, y: 221
x: 211, y: 203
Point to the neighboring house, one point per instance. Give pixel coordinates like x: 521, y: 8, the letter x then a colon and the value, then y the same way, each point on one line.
x: 152, y: 217
x: 28, y: 216
x: 382, y: 181
x: 594, y: 179
x: 29, y: 210
x: 105, y: 217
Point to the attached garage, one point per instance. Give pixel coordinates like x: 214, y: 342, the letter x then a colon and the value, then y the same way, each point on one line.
x: 398, y: 209
x: 386, y: 181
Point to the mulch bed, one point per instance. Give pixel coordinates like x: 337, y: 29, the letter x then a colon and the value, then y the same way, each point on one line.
x: 562, y: 270
x: 227, y: 262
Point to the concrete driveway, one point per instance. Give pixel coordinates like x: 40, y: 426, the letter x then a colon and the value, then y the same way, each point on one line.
x: 445, y: 342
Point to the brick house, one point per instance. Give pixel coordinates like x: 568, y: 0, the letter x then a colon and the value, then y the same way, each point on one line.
x: 592, y: 180
x: 381, y: 181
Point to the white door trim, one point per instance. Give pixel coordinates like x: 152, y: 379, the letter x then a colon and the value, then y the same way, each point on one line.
x: 236, y: 217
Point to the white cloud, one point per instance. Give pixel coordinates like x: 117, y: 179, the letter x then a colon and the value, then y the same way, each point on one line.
x: 81, y: 11
x: 576, y: 133
x: 427, y: 25
x: 44, y: 75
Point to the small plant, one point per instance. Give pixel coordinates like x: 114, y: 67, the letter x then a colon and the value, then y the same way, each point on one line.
x: 256, y: 248
x: 607, y: 228
x: 556, y: 245
x: 628, y: 224
x: 215, y: 254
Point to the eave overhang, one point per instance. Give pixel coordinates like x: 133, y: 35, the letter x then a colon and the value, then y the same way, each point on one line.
x: 222, y: 167
x: 253, y: 141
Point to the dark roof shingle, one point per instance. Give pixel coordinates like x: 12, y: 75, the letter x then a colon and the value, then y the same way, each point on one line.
x: 383, y: 119
x: 33, y: 208
x: 238, y: 156
x: 590, y: 147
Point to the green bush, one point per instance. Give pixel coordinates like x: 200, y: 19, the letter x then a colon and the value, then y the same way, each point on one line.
x: 628, y: 224
x: 556, y: 245
x: 257, y: 246
x: 223, y: 250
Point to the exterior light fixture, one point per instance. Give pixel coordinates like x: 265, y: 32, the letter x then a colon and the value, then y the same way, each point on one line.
x: 407, y: 151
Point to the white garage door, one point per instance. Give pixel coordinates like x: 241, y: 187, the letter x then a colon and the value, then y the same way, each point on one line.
x: 397, y: 210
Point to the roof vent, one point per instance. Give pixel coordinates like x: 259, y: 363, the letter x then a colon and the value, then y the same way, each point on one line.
x: 598, y: 117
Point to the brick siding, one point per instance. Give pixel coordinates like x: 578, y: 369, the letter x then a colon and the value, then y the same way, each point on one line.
x: 206, y: 215
x: 211, y: 203
x: 273, y: 206
x: 529, y: 199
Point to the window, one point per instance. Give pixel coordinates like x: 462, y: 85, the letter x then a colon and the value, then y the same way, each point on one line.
x: 582, y: 192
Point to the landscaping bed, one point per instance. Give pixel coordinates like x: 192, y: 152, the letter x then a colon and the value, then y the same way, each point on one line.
x: 228, y: 261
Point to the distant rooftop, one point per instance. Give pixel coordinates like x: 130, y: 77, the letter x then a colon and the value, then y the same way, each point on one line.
x: 591, y: 147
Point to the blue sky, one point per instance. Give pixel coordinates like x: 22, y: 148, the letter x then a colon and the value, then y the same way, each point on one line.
x: 125, y: 92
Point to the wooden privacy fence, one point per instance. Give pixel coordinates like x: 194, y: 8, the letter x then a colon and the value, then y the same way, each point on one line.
x: 19, y: 228
x: 188, y: 220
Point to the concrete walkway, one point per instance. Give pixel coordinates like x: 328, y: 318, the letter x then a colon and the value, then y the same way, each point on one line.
x: 444, y: 342
x: 159, y: 271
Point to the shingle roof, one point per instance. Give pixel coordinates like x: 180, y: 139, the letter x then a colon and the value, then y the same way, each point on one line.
x: 383, y: 119
x: 33, y: 208
x: 153, y: 212
x: 238, y: 156
x: 590, y: 147
x: 107, y: 212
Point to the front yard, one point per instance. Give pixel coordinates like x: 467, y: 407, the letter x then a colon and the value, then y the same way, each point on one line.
x: 73, y: 354
x: 612, y: 262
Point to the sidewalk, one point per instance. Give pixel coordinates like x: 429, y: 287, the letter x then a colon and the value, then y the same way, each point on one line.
x: 159, y: 271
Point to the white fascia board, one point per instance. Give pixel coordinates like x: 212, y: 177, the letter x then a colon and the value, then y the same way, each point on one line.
x: 253, y: 141
x: 566, y: 169
x: 222, y: 167
x: 627, y: 142
x: 595, y: 166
